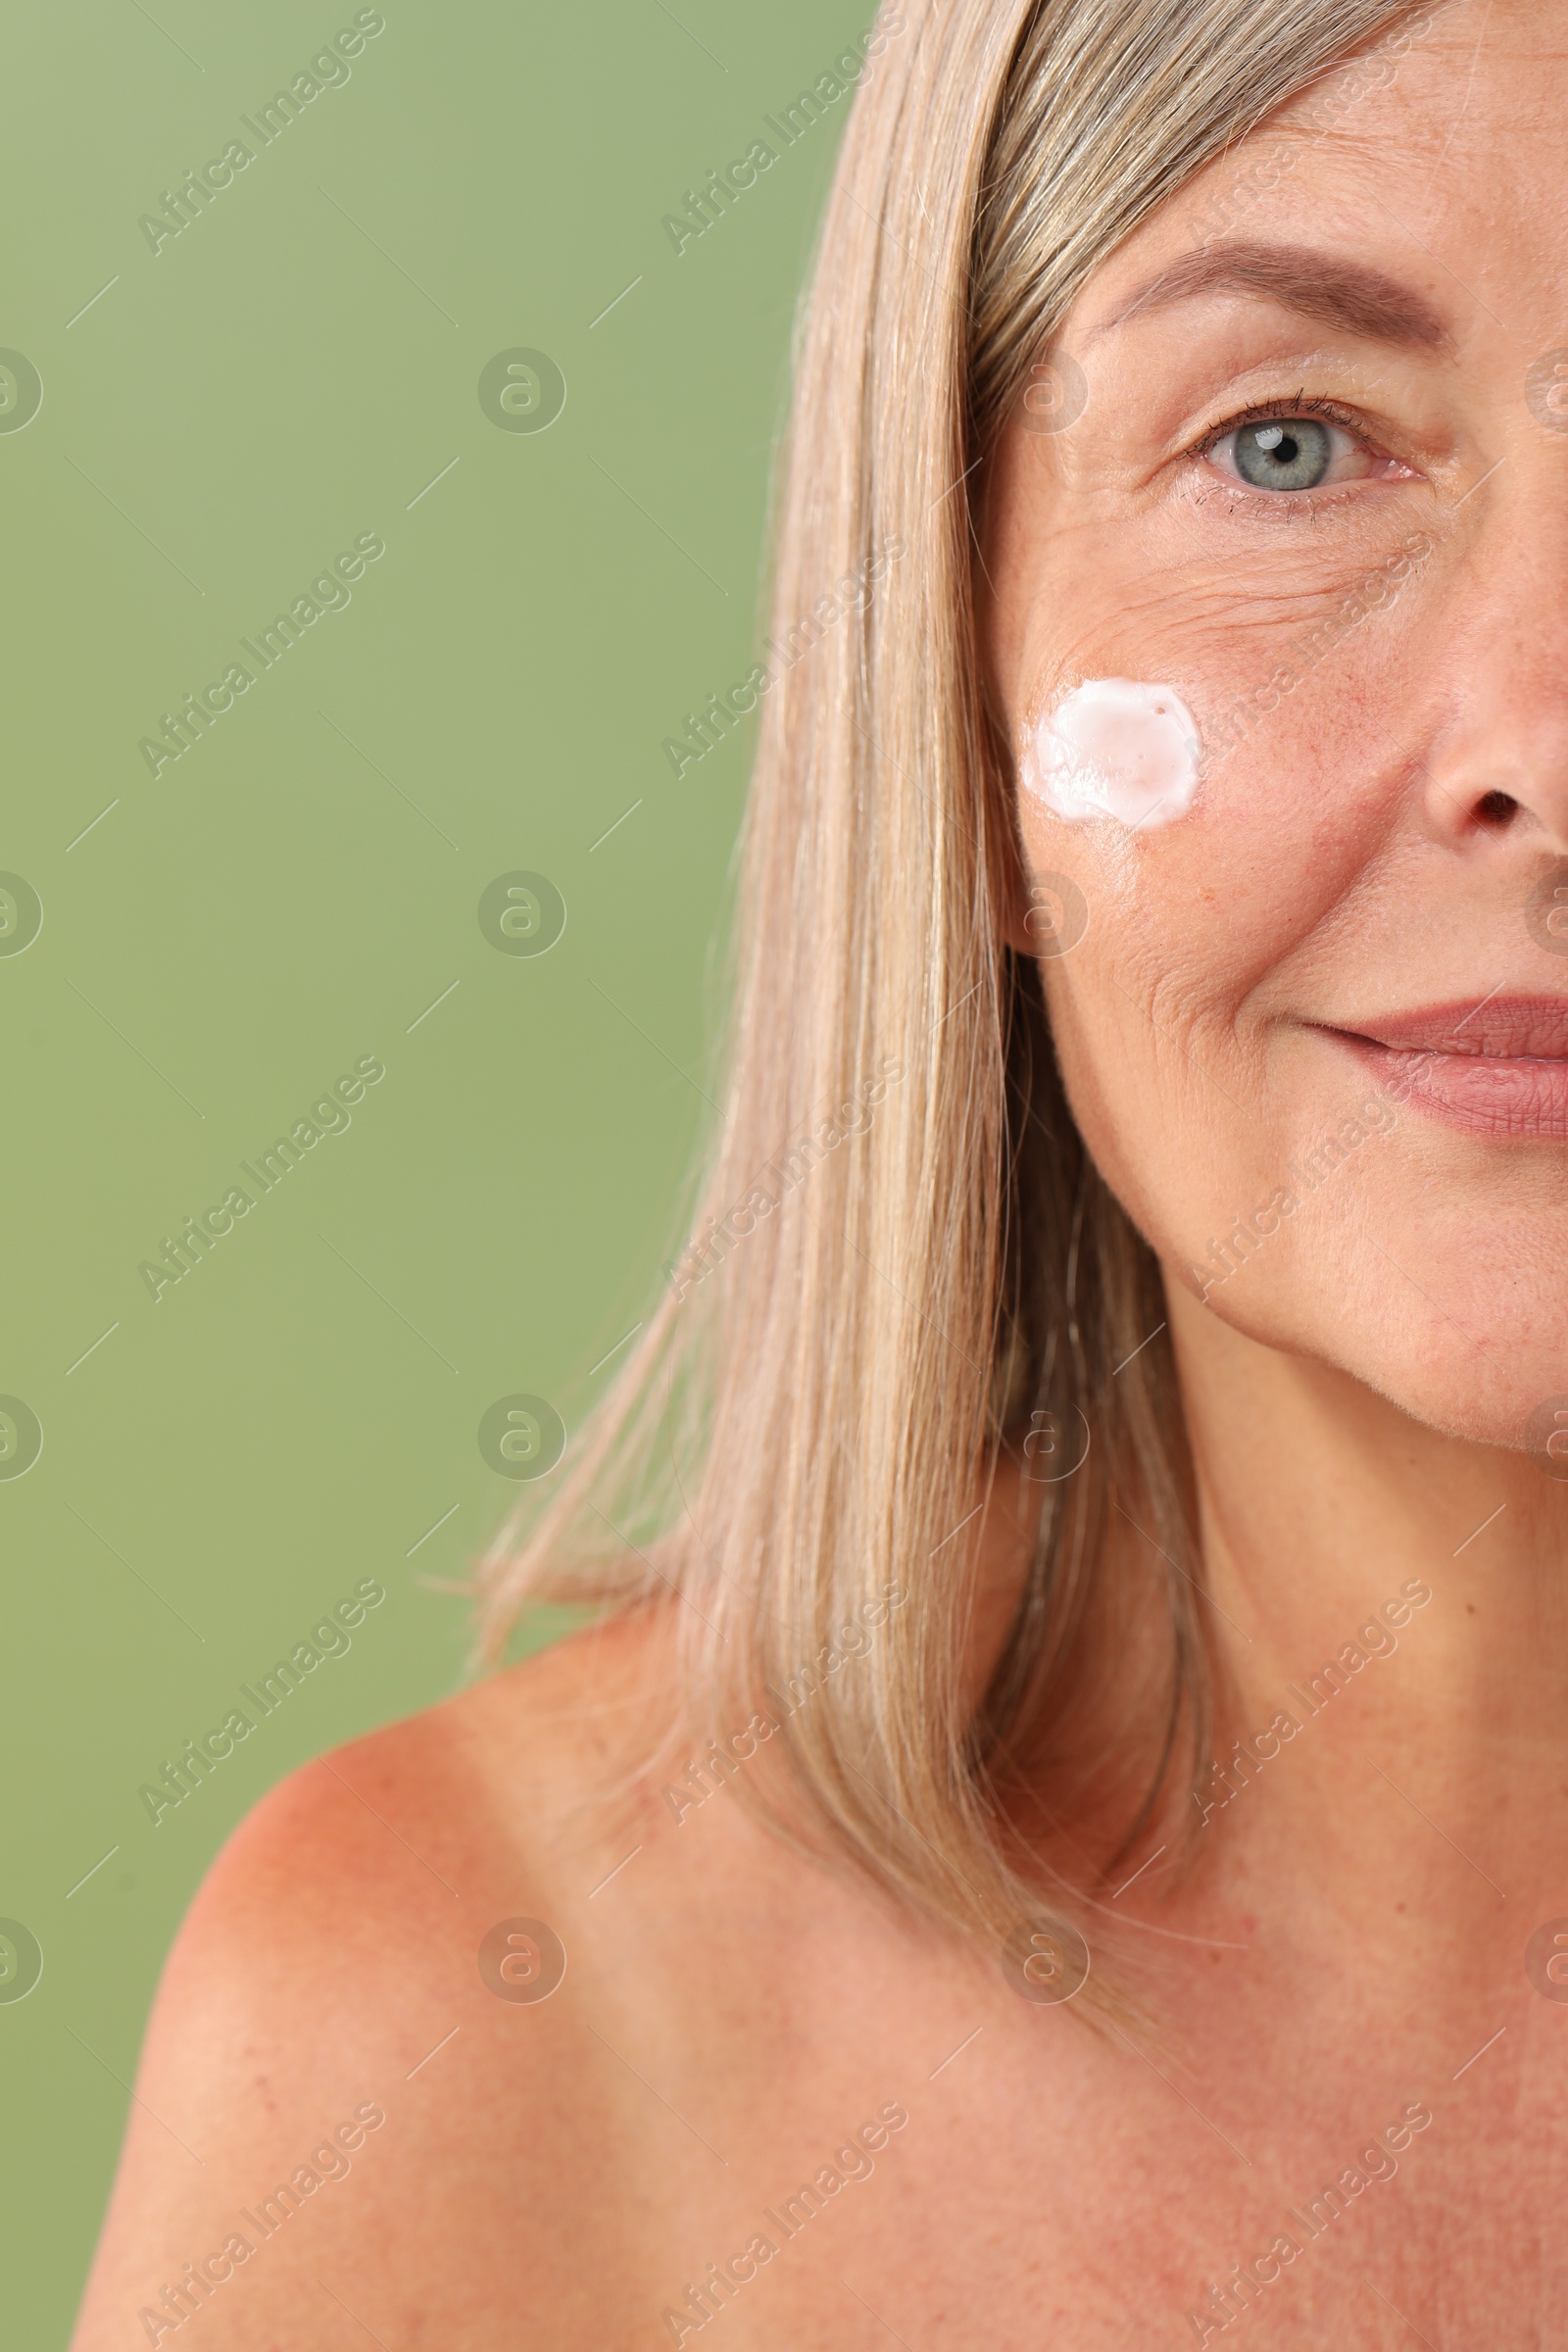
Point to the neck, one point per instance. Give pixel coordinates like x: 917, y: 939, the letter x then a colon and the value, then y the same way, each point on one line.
x: 1397, y: 1597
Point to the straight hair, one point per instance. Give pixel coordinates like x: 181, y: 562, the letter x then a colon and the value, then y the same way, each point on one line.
x: 902, y: 1257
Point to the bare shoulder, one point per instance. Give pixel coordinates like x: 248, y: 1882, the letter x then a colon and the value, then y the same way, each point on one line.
x: 467, y: 2035
x: 354, y: 2042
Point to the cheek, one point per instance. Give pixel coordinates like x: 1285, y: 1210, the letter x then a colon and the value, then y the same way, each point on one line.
x: 1216, y: 739
x: 1130, y: 636
x: 1205, y: 996
x: 1210, y: 938
x: 1227, y: 804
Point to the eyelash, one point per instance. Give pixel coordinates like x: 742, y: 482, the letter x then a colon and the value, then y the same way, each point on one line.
x: 1298, y: 404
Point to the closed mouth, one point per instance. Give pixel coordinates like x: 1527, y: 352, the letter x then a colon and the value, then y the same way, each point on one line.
x: 1492, y: 1028
x: 1494, y: 1065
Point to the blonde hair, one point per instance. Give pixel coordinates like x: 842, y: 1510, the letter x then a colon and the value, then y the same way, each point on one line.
x: 807, y: 1414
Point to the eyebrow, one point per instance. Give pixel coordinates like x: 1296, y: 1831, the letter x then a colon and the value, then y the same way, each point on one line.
x: 1349, y: 295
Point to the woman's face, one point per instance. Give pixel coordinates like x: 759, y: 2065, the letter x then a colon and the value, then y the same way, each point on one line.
x: 1305, y: 466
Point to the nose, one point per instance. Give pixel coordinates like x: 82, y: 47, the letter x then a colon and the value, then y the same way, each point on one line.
x: 1498, y: 768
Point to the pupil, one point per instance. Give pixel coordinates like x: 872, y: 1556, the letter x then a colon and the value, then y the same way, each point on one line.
x: 1294, y: 453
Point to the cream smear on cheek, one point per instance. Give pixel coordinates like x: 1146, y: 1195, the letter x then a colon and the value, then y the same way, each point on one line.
x: 1118, y: 748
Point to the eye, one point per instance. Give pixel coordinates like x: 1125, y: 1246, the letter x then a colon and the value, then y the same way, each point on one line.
x: 1294, y: 453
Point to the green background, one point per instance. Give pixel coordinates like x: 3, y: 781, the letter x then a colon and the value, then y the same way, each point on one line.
x: 219, y: 420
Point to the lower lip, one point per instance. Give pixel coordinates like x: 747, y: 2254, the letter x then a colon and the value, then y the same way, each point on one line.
x: 1513, y: 1099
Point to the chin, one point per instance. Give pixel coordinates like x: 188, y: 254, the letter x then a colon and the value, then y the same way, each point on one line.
x: 1458, y: 1317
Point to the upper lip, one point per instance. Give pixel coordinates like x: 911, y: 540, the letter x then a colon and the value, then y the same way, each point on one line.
x: 1503, y: 1028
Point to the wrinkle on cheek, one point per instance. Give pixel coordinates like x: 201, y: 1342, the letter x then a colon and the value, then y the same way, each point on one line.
x: 1137, y: 1047
x: 1294, y: 698
x: 1196, y: 611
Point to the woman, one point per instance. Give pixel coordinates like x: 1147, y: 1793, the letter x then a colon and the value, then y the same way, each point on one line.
x: 1061, y: 1820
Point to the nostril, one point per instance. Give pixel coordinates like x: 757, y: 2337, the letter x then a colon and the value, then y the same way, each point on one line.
x: 1496, y: 809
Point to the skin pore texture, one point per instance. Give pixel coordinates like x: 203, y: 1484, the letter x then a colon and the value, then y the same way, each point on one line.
x: 1374, y: 665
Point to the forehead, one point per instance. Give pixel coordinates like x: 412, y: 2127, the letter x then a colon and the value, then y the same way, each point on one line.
x: 1445, y: 134
x: 1439, y: 71
x: 1464, y: 83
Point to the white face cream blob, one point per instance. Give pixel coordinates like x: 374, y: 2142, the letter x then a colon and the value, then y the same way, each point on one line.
x: 1115, y: 747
